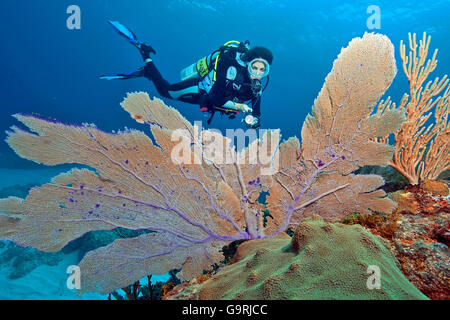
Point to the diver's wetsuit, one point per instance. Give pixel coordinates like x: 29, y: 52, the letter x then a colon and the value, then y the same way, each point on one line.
x: 233, y: 84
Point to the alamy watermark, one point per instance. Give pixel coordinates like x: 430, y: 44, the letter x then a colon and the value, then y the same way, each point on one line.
x: 74, y: 280
x: 374, y: 20
x: 374, y: 280
x: 73, y: 22
x: 211, y: 146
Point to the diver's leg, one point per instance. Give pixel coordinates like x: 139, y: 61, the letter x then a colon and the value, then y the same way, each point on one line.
x: 145, y: 50
x: 186, y: 91
x: 153, y: 74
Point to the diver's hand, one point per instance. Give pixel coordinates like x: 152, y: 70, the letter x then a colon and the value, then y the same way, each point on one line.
x: 243, y: 107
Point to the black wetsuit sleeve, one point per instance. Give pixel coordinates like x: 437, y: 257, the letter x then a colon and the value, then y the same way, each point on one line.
x: 217, y: 96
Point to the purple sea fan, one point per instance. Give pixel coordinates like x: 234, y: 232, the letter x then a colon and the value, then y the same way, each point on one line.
x: 208, y: 209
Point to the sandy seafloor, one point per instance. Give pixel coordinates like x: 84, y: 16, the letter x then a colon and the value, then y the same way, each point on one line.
x: 44, y: 282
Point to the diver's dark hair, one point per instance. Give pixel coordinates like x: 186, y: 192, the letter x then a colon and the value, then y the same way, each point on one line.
x: 258, y: 52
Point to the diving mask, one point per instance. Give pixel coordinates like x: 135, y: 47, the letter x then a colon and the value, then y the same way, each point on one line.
x: 255, y: 68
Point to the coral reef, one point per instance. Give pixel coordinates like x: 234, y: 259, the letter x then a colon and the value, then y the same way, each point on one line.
x: 422, y: 147
x: 421, y: 243
x: 193, y: 188
x: 322, y: 261
x: 418, y: 232
x: 149, y: 291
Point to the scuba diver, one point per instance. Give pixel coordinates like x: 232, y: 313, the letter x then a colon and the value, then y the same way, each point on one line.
x: 227, y: 81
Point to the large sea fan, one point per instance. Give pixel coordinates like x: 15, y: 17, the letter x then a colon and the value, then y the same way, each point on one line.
x: 192, y: 187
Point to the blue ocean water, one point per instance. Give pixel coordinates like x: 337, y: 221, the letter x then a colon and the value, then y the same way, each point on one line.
x: 53, y: 71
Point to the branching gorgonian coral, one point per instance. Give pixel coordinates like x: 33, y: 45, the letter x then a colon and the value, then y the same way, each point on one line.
x: 422, y: 146
x: 192, y: 188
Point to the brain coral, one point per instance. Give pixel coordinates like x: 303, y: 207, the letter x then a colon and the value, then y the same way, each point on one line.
x: 322, y: 261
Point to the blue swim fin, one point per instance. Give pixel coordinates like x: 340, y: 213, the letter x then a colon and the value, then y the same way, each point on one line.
x: 144, y: 49
x: 124, y: 76
x: 125, y: 32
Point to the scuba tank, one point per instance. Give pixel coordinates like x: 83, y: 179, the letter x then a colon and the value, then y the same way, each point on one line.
x: 198, y: 69
x: 205, y: 65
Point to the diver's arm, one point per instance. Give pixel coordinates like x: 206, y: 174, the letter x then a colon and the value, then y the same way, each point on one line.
x: 237, y: 106
x: 218, y: 94
x: 221, y: 95
x: 230, y: 105
x: 217, y: 98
